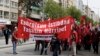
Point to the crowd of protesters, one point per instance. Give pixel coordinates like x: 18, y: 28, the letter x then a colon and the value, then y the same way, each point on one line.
x: 82, y: 37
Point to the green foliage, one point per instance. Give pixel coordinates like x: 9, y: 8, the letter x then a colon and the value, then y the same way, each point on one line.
x: 95, y: 23
x: 74, y: 12
x: 54, y: 10
x: 88, y: 19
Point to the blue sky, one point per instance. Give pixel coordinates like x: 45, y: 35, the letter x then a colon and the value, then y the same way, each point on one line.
x: 94, y: 5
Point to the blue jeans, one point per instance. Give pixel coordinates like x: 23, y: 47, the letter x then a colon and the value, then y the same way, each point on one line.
x: 14, y: 46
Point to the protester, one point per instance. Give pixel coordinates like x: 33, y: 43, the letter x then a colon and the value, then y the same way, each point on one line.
x: 95, y: 41
x: 79, y: 42
x: 7, y: 33
x: 80, y: 36
x: 65, y: 45
x: 37, y: 45
x: 14, y: 40
x: 55, y: 45
x: 73, y: 39
x: 43, y: 46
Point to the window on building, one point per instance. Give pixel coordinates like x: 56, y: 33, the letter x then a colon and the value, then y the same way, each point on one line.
x: 14, y: 15
x: 11, y: 15
x: 1, y: 2
x: 11, y: 3
x: 0, y: 14
x: 7, y: 3
x: 14, y: 4
x: 6, y: 15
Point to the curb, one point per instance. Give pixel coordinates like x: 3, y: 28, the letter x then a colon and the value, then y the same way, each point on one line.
x: 17, y: 45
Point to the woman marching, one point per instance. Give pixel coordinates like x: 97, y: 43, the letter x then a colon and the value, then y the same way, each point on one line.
x: 74, y: 40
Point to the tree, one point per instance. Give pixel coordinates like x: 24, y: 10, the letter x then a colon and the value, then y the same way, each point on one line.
x: 27, y: 6
x: 53, y: 9
x: 95, y: 23
x: 88, y: 19
x: 74, y: 12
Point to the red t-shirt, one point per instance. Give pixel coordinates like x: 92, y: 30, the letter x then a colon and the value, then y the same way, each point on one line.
x: 14, y: 36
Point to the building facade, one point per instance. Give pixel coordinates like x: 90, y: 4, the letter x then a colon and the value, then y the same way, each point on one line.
x: 96, y: 18
x: 79, y: 4
x: 9, y: 10
x: 64, y: 3
x: 31, y: 9
x: 86, y: 11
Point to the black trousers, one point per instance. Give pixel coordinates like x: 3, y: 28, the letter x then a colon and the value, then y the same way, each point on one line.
x: 46, y: 45
x: 78, y: 46
x: 44, y: 48
x: 56, y: 51
x: 6, y: 39
x: 95, y: 47
x: 37, y: 45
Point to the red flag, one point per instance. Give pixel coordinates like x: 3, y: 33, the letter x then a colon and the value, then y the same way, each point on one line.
x: 83, y: 19
x: 21, y: 33
x: 67, y: 34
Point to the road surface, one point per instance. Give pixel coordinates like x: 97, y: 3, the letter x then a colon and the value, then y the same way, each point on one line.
x: 28, y: 50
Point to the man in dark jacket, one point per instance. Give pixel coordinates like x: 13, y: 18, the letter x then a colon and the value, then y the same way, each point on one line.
x: 55, y: 45
x: 7, y: 33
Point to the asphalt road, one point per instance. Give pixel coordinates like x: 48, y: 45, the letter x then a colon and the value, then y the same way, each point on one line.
x: 28, y: 50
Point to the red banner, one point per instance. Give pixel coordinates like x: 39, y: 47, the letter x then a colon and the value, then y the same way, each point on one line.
x: 61, y: 26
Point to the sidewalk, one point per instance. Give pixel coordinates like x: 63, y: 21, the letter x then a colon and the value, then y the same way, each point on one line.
x: 3, y: 45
